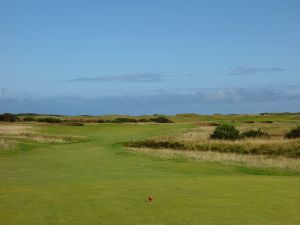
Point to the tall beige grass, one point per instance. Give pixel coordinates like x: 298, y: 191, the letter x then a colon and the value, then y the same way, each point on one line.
x: 6, y: 144
x: 6, y: 129
x: 16, y: 131
x: 259, y: 161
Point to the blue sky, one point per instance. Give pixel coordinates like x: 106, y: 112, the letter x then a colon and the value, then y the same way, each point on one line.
x: 145, y: 57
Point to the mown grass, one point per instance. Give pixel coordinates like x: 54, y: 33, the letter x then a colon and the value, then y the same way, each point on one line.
x: 98, y: 182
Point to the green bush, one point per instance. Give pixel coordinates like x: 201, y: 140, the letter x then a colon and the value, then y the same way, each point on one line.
x: 161, y: 119
x: 49, y: 120
x: 254, y: 133
x: 294, y: 133
x: 8, y: 117
x: 225, y: 132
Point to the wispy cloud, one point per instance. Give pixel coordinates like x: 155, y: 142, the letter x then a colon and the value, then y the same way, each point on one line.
x: 194, y: 75
x: 133, y: 77
x: 239, y: 70
x: 3, y: 91
x: 222, y: 100
x: 26, y: 93
x: 138, y: 77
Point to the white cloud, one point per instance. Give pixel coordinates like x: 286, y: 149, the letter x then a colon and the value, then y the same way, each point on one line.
x: 239, y: 70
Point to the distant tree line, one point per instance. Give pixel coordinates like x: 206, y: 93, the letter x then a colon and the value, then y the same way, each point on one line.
x: 31, y: 117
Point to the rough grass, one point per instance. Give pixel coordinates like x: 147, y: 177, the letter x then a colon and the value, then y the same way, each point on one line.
x: 15, y: 129
x: 282, y: 147
x: 199, y: 139
x: 45, y: 138
x: 256, y: 161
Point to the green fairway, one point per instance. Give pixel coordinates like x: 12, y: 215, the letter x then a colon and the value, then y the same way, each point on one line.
x: 97, y: 181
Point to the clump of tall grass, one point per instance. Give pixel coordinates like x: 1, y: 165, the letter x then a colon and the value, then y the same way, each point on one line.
x: 6, y: 144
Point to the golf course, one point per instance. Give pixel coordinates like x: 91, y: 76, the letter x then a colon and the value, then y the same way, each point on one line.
x: 161, y: 112
x: 94, y: 179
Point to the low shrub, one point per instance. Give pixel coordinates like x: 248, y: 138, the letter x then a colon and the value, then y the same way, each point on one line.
x: 294, y: 133
x: 248, y: 121
x: 8, y: 117
x: 255, y: 133
x: 124, y: 120
x: 49, y: 120
x: 155, y: 144
x: 225, y: 132
x: 161, y: 119
x: 267, y: 121
x: 29, y: 119
x: 101, y: 121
